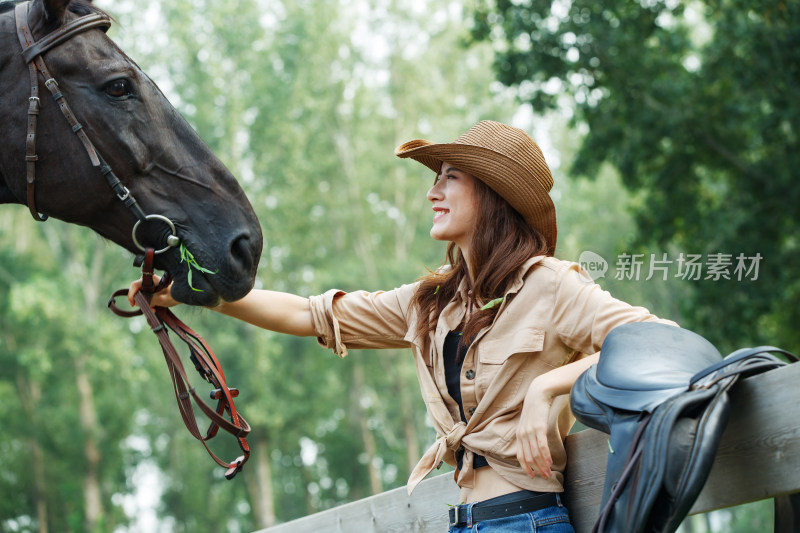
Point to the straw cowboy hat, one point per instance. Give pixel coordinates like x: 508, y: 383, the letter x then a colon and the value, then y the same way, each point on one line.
x: 504, y: 158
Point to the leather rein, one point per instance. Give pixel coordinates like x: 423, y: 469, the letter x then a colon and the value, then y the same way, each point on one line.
x: 160, y: 319
x: 205, y: 362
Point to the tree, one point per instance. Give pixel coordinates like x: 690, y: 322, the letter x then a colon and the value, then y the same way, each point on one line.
x: 693, y: 104
x: 69, y: 379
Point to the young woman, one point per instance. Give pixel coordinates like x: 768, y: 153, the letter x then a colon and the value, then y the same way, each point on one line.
x: 499, y: 333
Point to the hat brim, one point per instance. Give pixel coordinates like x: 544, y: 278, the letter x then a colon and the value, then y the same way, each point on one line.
x: 513, y: 182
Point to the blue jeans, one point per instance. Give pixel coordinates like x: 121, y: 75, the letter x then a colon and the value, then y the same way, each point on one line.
x: 549, y: 520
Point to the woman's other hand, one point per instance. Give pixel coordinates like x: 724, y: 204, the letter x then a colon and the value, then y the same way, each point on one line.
x: 533, y: 452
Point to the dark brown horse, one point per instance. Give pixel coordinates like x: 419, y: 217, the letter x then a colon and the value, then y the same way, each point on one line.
x: 143, y: 162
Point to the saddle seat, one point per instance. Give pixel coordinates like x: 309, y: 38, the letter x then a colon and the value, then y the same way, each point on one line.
x: 644, y: 364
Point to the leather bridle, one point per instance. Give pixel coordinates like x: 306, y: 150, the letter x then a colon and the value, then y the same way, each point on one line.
x: 205, y: 362
x: 32, y: 51
x: 159, y: 318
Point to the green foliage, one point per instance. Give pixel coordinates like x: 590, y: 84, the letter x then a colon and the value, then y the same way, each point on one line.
x: 693, y: 104
x: 60, y: 357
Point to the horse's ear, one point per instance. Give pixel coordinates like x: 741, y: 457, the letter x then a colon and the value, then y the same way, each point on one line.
x: 51, y: 12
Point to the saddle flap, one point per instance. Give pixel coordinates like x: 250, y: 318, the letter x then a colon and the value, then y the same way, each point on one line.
x: 679, y: 449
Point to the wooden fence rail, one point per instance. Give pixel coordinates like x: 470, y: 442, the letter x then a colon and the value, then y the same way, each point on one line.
x: 758, y: 458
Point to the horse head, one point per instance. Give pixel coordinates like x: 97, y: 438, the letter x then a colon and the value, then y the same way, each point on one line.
x: 137, y: 137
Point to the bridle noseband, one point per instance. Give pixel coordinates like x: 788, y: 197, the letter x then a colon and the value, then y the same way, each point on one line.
x: 32, y: 51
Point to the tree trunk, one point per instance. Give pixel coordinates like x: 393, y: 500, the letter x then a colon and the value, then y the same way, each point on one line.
x: 311, y: 508
x: 376, y: 486
x: 39, y: 484
x: 88, y: 418
x: 402, y: 392
x: 29, y: 394
x: 88, y: 413
x: 259, y: 485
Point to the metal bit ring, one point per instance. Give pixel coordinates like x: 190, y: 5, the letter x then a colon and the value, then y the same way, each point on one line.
x: 172, y: 240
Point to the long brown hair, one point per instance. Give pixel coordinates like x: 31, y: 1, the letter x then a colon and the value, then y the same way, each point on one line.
x: 501, y: 243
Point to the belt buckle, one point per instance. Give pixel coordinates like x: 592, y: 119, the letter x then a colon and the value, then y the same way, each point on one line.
x: 455, y: 519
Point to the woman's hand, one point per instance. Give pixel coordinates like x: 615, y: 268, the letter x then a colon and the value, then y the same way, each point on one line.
x: 162, y: 298
x: 533, y: 452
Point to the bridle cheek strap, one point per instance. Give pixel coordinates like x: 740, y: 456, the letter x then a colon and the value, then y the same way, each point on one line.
x: 26, y: 40
x: 32, y: 54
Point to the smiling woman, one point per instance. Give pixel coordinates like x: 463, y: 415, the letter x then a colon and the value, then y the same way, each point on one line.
x: 499, y: 333
x: 148, y: 180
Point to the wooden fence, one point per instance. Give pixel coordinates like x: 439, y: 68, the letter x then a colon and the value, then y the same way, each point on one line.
x: 758, y: 458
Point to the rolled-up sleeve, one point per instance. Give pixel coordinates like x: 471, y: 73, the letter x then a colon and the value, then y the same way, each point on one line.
x: 585, y: 313
x: 360, y: 319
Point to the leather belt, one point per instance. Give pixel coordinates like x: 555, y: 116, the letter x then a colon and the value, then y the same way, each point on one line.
x: 459, y: 514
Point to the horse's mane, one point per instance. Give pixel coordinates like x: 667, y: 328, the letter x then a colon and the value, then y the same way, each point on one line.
x: 82, y: 7
x: 79, y: 7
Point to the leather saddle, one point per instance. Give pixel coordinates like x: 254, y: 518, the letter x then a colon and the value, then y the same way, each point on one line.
x: 661, y: 393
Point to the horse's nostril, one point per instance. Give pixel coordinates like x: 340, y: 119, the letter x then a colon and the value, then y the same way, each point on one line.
x: 241, y: 252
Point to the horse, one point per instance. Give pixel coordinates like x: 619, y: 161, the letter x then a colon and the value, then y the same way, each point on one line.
x: 149, y: 181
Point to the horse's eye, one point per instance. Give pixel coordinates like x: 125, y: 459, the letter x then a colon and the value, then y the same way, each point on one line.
x: 118, y: 89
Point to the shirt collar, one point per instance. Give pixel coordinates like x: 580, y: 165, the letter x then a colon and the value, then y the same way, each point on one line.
x: 463, y: 291
x: 519, y: 275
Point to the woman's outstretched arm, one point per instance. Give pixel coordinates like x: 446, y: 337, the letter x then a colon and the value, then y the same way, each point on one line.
x: 276, y: 311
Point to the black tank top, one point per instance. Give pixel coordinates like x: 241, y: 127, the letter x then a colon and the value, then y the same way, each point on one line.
x: 452, y: 377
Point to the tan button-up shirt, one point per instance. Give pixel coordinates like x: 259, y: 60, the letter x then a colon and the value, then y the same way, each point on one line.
x: 551, y: 315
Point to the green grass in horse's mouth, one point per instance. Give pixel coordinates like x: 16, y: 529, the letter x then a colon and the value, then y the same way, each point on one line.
x: 187, y: 256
